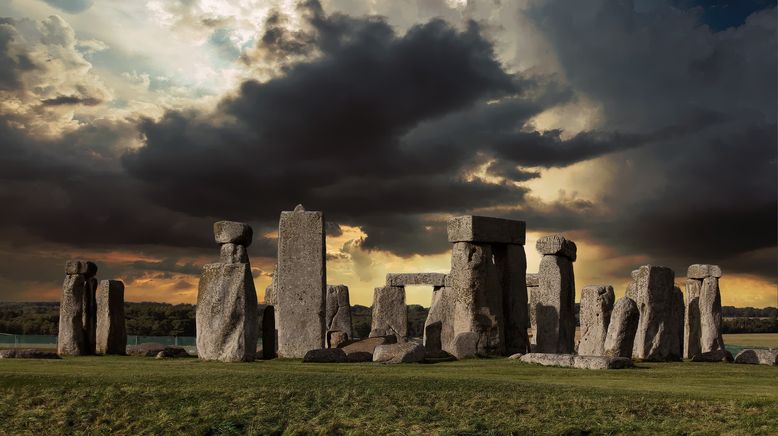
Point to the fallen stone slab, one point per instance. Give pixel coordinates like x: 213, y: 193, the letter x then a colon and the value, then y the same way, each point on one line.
x: 579, y: 362
x: 713, y: 356
x: 405, y: 352
x: 27, y: 353
x: 362, y: 351
x: 410, y: 279
x: 758, y: 357
x: 556, y: 245
x: 325, y: 355
x: 151, y: 349
x: 515, y: 356
x: 231, y: 232
x: 698, y: 271
x: 486, y: 230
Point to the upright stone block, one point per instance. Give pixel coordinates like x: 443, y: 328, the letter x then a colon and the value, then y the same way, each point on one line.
x: 533, y: 281
x: 111, y: 334
x: 691, y: 340
x: 555, y: 305
x: 390, y: 314
x: 70, y: 337
x: 439, y: 326
x: 338, y: 318
x: 483, y: 229
x: 89, y: 313
x: 622, y: 328
x: 657, y: 336
x: 301, y: 283
x: 512, y: 263
x: 479, y: 297
x: 226, y: 314
x: 711, y: 338
x: 678, y: 311
x: 595, y: 313
x: 269, y: 333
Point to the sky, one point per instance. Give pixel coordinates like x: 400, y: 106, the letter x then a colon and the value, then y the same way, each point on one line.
x: 643, y: 130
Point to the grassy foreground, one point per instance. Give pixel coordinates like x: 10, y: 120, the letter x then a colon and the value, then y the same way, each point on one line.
x: 146, y: 396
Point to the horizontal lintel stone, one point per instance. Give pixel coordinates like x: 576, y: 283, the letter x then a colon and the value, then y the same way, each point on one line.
x: 483, y: 229
x: 409, y: 279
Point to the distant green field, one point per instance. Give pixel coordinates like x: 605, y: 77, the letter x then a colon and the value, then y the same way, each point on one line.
x: 761, y: 340
x: 143, y: 395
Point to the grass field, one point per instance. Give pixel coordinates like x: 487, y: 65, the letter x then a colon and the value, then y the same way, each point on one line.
x: 148, y: 396
x: 761, y: 340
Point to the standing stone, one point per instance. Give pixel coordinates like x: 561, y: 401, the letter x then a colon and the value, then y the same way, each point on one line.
x: 678, y: 323
x: 512, y: 262
x: 657, y: 336
x: 338, y: 315
x: 632, y: 287
x: 554, y: 308
x: 595, y: 313
x: 533, y: 281
x: 478, y: 295
x: 439, y: 327
x: 269, y: 333
x: 301, y: 283
x: 111, y: 329
x: 691, y: 339
x: 89, y: 307
x: 711, y: 338
x: 70, y: 337
x: 622, y: 328
x: 226, y: 314
x: 390, y: 314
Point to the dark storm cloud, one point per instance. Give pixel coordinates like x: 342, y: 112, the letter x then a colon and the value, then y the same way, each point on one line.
x: 707, y: 197
x: 69, y: 100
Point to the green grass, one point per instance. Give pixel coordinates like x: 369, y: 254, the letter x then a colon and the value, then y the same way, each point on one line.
x: 146, y: 396
x: 761, y: 340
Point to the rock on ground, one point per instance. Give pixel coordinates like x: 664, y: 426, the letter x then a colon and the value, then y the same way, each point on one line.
x: 405, y: 352
x: 226, y: 314
x: 325, y: 355
x: 300, y: 283
x: 713, y: 356
x: 595, y: 314
x: 151, y: 349
x: 622, y: 328
x: 758, y: 357
x: 573, y: 361
x: 362, y: 351
x: 27, y: 353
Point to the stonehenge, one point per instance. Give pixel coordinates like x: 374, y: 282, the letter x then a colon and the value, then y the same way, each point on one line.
x: 533, y: 281
x: 300, y: 283
x: 555, y: 303
x: 338, y: 314
x: 111, y: 335
x: 702, y: 320
x: 595, y: 315
x: 659, y: 303
x: 226, y: 313
x: 390, y: 314
x: 622, y: 328
x: 78, y: 311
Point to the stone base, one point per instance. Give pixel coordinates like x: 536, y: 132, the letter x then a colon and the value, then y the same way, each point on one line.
x: 573, y: 361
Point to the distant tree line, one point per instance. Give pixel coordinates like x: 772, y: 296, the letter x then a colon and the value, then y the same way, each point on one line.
x: 164, y: 319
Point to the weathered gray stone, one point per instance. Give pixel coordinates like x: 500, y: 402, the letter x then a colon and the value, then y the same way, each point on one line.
x: 270, y: 295
x: 595, y: 314
x: 73, y: 267
x: 512, y: 266
x: 678, y: 312
x: 632, y: 291
x: 533, y: 294
x: 516, y: 356
x: 226, y: 315
x: 698, y: 271
x: 465, y: 345
x: 635, y: 273
x: 269, y: 333
x: 325, y: 355
x: 711, y: 338
x: 405, y: 352
x: 479, y: 297
x: 554, y: 307
x: 336, y: 338
x: 27, y: 353
x: 89, y: 311
x: 622, y: 328
x: 483, y: 229
x: 556, y: 245
x: 390, y: 314
x: 409, y: 279
x: 713, y: 356
x: 231, y: 232
x: 533, y: 280
x: 758, y: 357
x: 548, y: 359
x: 580, y: 362
x: 300, y: 283
x: 691, y: 339
x: 70, y: 338
x: 111, y: 328
x: 657, y: 337
x: 152, y: 349
x: 439, y: 325
x: 233, y: 253
x: 362, y: 351
x: 338, y: 315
